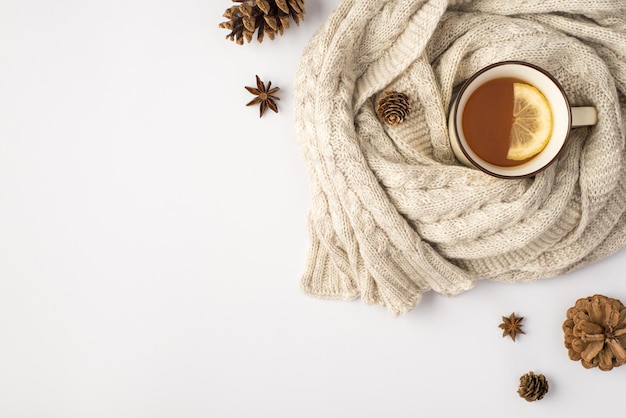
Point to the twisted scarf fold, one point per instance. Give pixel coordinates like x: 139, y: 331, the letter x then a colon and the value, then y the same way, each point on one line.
x: 393, y: 214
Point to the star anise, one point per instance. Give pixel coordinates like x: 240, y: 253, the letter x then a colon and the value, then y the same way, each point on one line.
x: 265, y: 96
x: 511, y: 326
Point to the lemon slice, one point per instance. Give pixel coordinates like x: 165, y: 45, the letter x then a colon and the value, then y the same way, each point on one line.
x: 532, y: 122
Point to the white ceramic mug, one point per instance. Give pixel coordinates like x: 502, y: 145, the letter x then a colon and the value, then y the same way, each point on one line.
x: 564, y: 117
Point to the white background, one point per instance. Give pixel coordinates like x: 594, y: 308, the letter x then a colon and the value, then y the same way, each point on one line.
x: 153, y: 232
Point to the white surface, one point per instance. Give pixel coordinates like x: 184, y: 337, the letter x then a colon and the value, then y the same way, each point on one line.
x: 153, y: 230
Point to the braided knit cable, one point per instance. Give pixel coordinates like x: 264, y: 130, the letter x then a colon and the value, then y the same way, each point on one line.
x: 393, y: 214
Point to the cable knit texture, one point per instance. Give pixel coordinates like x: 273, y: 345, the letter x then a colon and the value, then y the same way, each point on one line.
x: 393, y: 214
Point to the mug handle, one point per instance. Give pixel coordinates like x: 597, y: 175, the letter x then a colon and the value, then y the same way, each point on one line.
x: 584, y: 116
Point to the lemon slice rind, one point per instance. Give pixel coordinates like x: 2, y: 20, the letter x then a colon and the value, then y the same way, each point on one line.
x: 532, y: 122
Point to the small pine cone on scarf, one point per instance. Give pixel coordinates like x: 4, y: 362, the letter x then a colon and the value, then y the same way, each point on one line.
x: 266, y: 17
x: 595, y: 332
x: 393, y: 107
x: 532, y: 387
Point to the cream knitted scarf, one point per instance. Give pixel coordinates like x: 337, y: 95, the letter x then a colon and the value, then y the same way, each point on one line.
x: 393, y: 214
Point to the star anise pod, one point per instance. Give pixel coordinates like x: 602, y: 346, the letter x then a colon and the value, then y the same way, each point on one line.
x: 266, y: 17
x: 512, y: 326
x: 264, y: 96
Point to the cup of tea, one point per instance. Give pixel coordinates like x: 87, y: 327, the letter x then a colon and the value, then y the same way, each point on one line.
x: 512, y: 119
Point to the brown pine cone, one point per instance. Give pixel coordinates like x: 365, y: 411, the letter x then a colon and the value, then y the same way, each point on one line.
x: 532, y: 387
x: 266, y: 17
x: 595, y: 332
x: 393, y: 108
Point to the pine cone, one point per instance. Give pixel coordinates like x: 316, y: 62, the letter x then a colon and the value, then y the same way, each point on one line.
x: 532, y: 387
x: 263, y: 16
x: 595, y: 332
x: 393, y: 107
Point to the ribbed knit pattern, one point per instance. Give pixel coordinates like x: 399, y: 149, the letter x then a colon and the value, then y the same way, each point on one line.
x: 393, y: 214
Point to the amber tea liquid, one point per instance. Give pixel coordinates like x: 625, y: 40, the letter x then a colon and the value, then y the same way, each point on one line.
x: 487, y: 121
